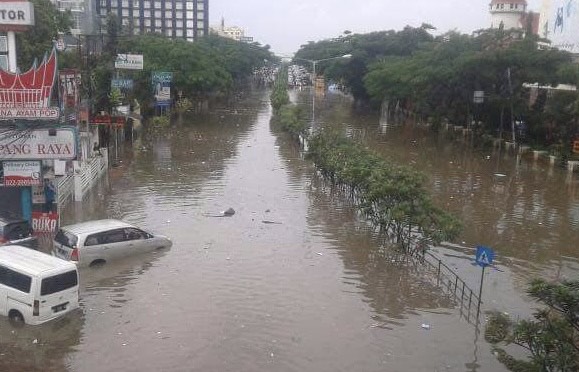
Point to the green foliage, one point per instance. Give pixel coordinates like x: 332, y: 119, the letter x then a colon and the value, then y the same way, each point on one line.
x: 290, y: 118
x: 392, y: 197
x: 366, y: 49
x: 38, y: 40
x: 279, y: 96
x: 551, y: 338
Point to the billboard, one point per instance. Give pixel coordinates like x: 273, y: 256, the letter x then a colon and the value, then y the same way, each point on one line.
x: 129, y: 62
x: 21, y: 173
x: 27, y: 95
x: 16, y: 13
x: 560, y: 24
x: 58, y: 143
x: 161, y: 82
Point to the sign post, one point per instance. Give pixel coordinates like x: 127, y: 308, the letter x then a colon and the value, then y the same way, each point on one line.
x: 484, y: 257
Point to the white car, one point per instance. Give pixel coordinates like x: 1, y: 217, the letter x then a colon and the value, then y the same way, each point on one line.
x: 96, y: 242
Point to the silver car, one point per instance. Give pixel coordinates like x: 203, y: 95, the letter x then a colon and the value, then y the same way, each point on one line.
x: 96, y: 242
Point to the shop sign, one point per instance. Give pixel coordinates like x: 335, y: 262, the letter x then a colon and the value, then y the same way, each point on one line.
x: 44, y: 222
x: 122, y: 84
x: 39, y: 144
x: 161, y: 82
x: 21, y: 173
x: 129, y: 62
x: 11, y: 113
x: 16, y: 13
x: 27, y: 95
x: 69, y: 83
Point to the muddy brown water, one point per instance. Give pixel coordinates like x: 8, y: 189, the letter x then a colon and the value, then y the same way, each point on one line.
x: 308, y: 292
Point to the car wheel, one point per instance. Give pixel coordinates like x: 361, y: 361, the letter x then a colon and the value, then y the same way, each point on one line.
x: 16, y: 318
x: 97, y: 263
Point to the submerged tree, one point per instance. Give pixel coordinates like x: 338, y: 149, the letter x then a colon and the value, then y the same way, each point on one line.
x: 551, y: 338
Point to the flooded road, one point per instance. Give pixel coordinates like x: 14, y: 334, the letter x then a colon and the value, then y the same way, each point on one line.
x: 293, y: 281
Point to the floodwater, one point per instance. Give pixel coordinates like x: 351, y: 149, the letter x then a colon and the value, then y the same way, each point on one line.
x: 294, y: 281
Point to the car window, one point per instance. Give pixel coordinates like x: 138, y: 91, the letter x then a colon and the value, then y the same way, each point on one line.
x: 15, y: 279
x: 66, y: 238
x: 17, y: 230
x: 58, y: 283
x: 91, y: 240
x: 114, y: 236
x: 135, y: 234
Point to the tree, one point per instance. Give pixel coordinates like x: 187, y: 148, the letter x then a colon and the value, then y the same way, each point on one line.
x: 551, y: 338
x: 36, y: 42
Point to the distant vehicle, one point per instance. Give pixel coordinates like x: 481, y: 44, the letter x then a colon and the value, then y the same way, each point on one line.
x: 96, y: 242
x: 34, y: 286
x: 17, y: 231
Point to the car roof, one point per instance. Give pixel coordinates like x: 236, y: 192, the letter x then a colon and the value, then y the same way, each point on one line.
x: 95, y: 226
x: 31, y: 262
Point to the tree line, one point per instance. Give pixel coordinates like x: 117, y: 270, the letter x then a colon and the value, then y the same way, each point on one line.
x: 433, y: 78
x: 211, y: 66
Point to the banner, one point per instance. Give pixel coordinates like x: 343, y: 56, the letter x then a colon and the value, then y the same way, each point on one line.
x: 161, y: 82
x: 129, y: 62
x: 44, y: 222
x: 22, y: 173
x: 560, y: 24
x: 69, y: 81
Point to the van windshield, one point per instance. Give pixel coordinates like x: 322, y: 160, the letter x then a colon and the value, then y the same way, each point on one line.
x: 65, y: 238
x: 58, y: 283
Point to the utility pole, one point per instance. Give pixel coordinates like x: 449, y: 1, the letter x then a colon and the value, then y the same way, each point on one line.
x: 511, y: 100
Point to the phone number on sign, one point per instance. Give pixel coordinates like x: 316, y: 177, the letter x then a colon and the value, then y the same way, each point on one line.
x: 9, y: 182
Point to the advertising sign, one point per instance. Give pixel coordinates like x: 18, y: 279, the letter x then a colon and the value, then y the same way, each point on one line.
x: 22, y: 173
x: 16, y: 13
x: 161, y: 82
x: 560, y: 24
x: 44, y: 222
x: 57, y: 143
x: 129, y: 62
x: 27, y: 95
x: 69, y: 81
x: 122, y: 84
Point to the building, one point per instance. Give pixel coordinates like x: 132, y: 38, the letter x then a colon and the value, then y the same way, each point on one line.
x: 177, y: 19
x: 82, y: 13
x: 508, y: 14
x: 232, y: 32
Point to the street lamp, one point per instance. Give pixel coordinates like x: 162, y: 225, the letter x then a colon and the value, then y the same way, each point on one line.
x: 314, y: 64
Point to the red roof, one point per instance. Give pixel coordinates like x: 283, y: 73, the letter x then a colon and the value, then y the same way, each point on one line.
x: 495, y: 2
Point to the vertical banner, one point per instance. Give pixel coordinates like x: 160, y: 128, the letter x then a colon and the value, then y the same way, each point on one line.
x: 69, y: 81
x: 161, y: 82
x: 45, y: 207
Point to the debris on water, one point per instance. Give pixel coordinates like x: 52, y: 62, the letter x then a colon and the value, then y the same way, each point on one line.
x: 488, y: 157
x: 35, y: 341
x: 267, y: 211
x: 319, y: 253
x: 168, y: 221
x: 271, y: 222
x: 229, y: 212
x: 500, y: 175
x: 425, y: 326
x: 228, y: 258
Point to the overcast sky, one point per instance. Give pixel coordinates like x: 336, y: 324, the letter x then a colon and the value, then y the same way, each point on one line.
x: 287, y: 24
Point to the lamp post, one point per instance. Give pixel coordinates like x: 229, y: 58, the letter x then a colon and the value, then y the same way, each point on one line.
x: 314, y: 64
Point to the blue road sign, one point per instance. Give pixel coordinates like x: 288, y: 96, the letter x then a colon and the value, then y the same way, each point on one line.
x: 484, y: 256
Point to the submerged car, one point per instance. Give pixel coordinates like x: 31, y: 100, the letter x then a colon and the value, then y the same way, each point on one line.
x: 14, y: 230
x: 96, y: 242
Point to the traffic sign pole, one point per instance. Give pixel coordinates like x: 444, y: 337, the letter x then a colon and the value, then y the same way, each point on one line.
x: 482, y: 279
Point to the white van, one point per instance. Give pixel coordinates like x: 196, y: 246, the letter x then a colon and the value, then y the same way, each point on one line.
x: 34, y: 286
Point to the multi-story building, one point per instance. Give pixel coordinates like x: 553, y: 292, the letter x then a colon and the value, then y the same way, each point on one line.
x: 232, y: 32
x: 185, y: 19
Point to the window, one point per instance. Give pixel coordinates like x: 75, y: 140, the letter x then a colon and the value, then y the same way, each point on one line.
x: 168, y: 23
x: 189, y: 15
x: 147, y: 23
x: 189, y: 5
x: 179, y: 33
x: 157, y: 5
x: 66, y: 238
x: 168, y: 14
x: 178, y: 14
x: 58, y: 283
x: 178, y: 5
x: 113, y: 236
x: 125, y: 12
x: 189, y: 24
x: 147, y: 13
x: 125, y: 3
x: 179, y: 24
x: 147, y: 4
x: 158, y: 23
x: 168, y: 5
x: 16, y: 280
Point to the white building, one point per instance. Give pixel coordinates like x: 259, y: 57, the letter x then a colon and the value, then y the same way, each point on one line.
x: 231, y: 32
x: 508, y: 14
